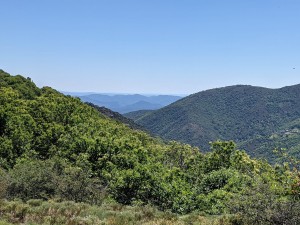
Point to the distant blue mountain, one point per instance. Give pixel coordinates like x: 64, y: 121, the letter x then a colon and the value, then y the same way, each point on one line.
x: 77, y: 94
x: 123, y: 103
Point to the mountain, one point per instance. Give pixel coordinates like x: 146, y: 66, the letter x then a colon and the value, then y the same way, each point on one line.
x: 57, y: 152
x: 56, y: 146
x: 137, y: 115
x: 128, y: 103
x: 77, y: 94
x: 116, y: 116
x: 258, y: 119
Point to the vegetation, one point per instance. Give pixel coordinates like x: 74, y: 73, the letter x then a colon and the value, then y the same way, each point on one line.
x: 63, y: 162
x: 66, y: 213
x: 116, y: 116
x: 258, y: 119
x: 137, y: 115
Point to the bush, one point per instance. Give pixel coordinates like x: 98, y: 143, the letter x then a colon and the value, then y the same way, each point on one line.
x: 4, y: 183
x: 37, y: 179
x: 32, y: 180
x: 76, y: 185
x: 215, y: 180
x: 214, y: 203
x: 261, y: 205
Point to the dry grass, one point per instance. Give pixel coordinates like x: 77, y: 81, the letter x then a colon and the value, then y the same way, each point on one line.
x: 35, y: 212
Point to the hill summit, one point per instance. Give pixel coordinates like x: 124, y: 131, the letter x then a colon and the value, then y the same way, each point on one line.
x: 258, y: 119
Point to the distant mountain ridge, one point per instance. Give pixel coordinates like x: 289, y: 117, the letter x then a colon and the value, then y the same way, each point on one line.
x: 128, y: 103
x: 259, y: 119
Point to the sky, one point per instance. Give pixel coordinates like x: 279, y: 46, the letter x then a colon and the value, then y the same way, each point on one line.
x: 151, y: 46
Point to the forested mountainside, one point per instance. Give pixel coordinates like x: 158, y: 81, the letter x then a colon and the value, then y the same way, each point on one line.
x: 55, y: 149
x: 258, y: 119
x: 137, y: 115
x: 116, y: 116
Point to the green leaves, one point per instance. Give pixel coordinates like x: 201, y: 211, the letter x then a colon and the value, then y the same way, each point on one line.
x: 54, y: 178
x: 55, y: 146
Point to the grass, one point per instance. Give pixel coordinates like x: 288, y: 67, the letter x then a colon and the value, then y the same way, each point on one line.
x: 35, y: 212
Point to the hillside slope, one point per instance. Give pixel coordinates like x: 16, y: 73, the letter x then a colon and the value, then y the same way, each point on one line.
x: 137, y: 115
x: 55, y: 147
x: 116, y: 116
x: 257, y: 118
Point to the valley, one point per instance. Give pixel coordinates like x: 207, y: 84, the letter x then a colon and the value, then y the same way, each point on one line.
x: 63, y: 161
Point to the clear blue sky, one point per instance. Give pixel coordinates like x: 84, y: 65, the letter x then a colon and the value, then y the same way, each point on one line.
x: 151, y: 46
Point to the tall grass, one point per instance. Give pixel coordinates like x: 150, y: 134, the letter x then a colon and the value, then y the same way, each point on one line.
x: 34, y: 212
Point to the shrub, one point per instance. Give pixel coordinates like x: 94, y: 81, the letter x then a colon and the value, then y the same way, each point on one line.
x: 37, y: 179
x: 4, y: 183
x: 261, y: 205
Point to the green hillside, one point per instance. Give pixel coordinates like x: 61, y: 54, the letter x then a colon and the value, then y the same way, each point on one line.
x: 137, y: 115
x: 64, y: 162
x: 116, y: 116
x: 254, y: 117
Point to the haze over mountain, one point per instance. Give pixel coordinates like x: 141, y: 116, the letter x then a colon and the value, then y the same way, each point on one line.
x: 259, y: 119
x: 124, y: 103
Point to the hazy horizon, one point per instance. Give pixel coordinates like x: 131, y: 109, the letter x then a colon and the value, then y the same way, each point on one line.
x: 155, y: 94
x: 116, y: 93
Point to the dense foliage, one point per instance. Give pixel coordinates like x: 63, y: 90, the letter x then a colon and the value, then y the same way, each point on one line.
x: 116, y: 116
x: 56, y: 147
x: 137, y: 115
x: 258, y: 119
